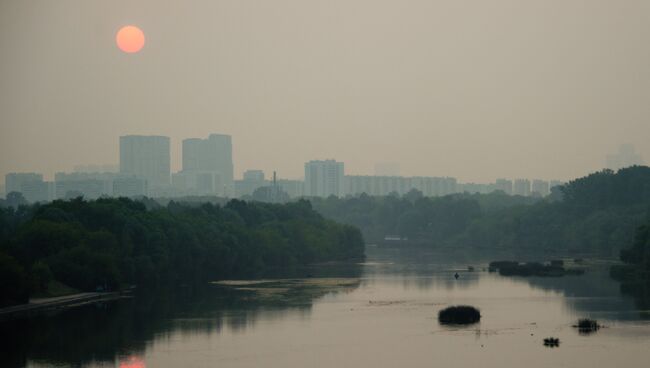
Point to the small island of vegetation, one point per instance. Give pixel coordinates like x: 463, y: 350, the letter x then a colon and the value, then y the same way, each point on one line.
x: 459, y: 315
x: 586, y: 326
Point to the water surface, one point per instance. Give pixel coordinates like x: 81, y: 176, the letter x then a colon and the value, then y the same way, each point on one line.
x: 383, y: 313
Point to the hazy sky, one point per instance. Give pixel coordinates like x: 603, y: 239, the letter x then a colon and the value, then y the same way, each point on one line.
x: 473, y: 89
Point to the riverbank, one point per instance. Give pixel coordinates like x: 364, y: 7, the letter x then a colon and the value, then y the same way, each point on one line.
x: 40, y: 305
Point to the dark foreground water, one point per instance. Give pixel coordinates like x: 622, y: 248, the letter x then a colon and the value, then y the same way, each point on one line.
x: 382, y: 313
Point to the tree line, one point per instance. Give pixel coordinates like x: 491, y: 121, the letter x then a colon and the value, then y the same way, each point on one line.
x: 109, y: 243
x: 597, y: 213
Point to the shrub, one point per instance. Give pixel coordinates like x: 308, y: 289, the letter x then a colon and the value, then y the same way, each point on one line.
x: 459, y: 315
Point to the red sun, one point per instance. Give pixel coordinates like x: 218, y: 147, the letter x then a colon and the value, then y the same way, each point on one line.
x: 130, y: 39
x: 132, y: 362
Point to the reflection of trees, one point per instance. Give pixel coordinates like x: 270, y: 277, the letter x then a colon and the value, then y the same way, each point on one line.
x: 594, y: 293
x: 640, y: 291
x: 101, y: 332
x: 419, y: 268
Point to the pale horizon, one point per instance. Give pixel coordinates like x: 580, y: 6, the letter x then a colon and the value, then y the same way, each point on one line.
x: 474, y: 90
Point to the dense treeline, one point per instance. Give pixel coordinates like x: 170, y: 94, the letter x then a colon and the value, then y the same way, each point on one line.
x: 108, y: 243
x: 598, y: 213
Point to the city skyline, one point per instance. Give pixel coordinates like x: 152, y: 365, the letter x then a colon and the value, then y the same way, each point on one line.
x: 145, y: 170
x: 176, y: 164
x: 207, y: 170
x: 437, y: 86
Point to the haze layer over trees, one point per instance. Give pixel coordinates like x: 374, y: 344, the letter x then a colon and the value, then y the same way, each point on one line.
x: 598, y: 213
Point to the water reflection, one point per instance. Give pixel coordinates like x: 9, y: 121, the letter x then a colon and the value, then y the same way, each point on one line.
x: 132, y: 362
x: 594, y: 294
x: 101, y: 333
x: 396, y: 295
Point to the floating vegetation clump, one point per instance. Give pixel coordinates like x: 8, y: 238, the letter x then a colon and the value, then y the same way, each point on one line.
x: 587, y: 326
x: 554, y: 269
x: 459, y: 315
x: 497, y: 265
x: 552, y: 342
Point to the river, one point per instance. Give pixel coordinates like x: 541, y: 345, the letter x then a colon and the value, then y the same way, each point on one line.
x: 379, y: 313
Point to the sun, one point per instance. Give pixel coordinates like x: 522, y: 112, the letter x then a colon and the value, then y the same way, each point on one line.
x: 130, y: 39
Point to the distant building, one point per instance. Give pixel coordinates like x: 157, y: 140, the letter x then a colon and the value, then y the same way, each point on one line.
x: 37, y: 191
x: 504, y: 185
x: 214, y: 155
x: 198, y: 183
x: 254, y: 175
x: 147, y: 157
x: 324, y: 178
x: 293, y: 188
x: 522, y: 187
x: 474, y: 188
x: 625, y: 157
x: 272, y: 193
x: 129, y: 186
x: 385, y: 185
x: 14, y: 181
x: 541, y: 187
x: 30, y: 185
x: 252, y: 180
x: 387, y: 169
x: 88, y: 185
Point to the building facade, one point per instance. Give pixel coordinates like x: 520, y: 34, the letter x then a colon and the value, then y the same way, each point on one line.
x: 504, y: 185
x: 324, y: 178
x: 540, y: 188
x: 146, y: 157
x: 211, y: 155
x: 129, y: 186
x: 521, y: 187
x: 385, y: 185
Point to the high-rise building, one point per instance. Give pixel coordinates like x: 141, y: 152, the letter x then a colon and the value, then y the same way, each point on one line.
x: 214, y: 155
x: 324, y: 178
x: 522, y: 187
x: 146, y: 157
x: 625, y: 157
